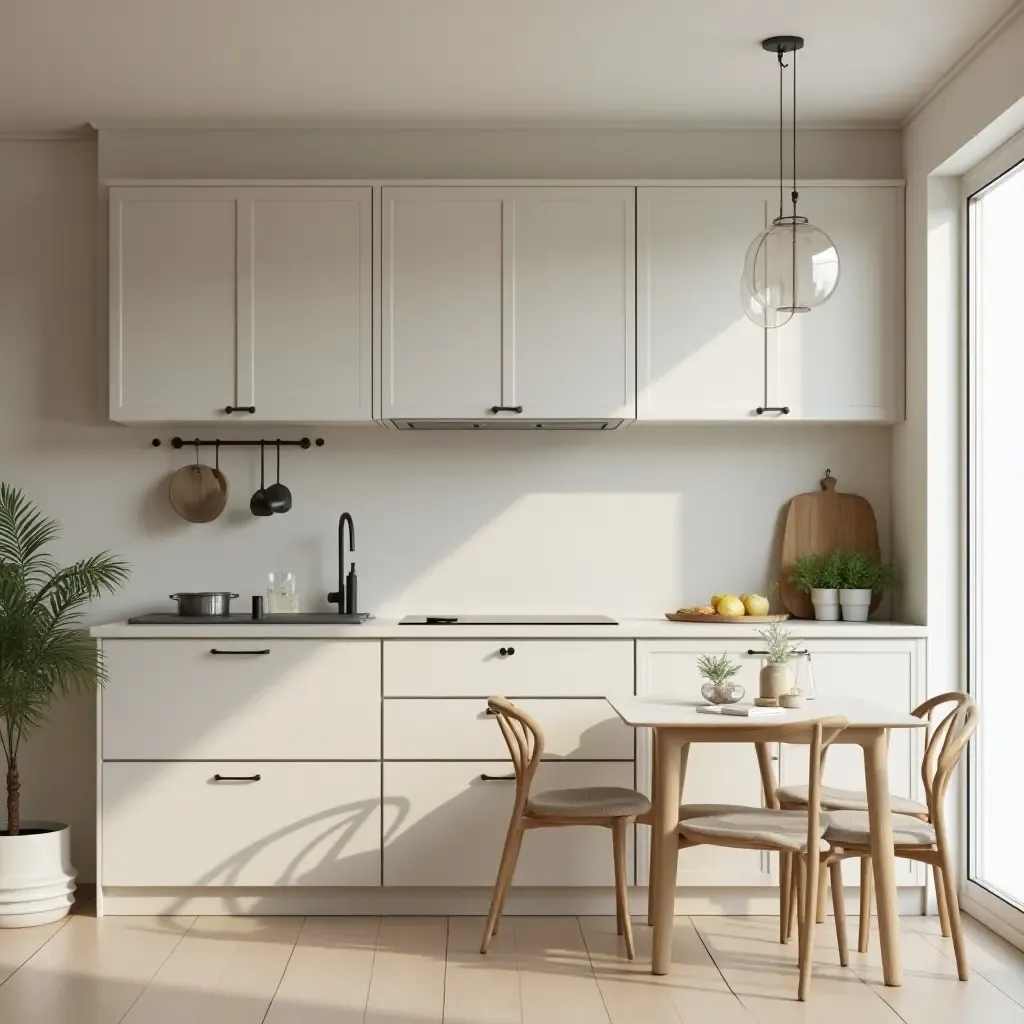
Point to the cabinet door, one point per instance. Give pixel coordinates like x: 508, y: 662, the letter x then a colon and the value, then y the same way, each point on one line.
x: 172, y: 303
x: 699, y: 357
x: 882, y: 671
x: 441, y: 307
x: 844, y: 360
x: 445, y: 826
x: 570, y: 339
x: 274, y: 823
x: 305, y: 339
x: 716, y: 773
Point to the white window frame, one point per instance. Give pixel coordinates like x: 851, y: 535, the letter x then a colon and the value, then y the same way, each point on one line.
x: 1002, y: 915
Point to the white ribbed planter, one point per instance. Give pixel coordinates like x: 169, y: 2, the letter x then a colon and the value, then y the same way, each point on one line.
x: 37, y: 881
x: 855, y: 604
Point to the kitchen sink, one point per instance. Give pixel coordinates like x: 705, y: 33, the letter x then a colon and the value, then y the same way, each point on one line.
x: 241, y: 619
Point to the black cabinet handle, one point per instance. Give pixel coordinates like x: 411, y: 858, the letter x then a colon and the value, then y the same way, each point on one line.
x: 765, y: 653
x: 214, y: 650
x: 506, y: 652
x: 498, y: 778
x: 506, y: 408
x: 762, y: 409
x: 239, y: 408
x: 237, y: 778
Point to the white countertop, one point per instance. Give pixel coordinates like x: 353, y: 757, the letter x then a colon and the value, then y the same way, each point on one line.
x: 627, y: 629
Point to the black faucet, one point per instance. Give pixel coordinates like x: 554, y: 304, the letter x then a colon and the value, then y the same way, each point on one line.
x: 338, y: 596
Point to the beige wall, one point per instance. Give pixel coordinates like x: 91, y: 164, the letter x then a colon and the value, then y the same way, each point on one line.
x: 637, y: 521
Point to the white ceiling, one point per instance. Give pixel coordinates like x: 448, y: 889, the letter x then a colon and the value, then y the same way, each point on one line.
x: 66, y: 62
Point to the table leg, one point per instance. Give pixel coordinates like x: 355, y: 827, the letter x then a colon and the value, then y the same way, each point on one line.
x: 883, y: 856
x: 652, y: 869
x: 668, y: 770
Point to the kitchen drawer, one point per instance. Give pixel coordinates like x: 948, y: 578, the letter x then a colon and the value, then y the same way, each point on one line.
x: 537, y: 668
x: 443, y: 826
x: 175, y: 700
x: 461, y: 729
x: 172, y: 824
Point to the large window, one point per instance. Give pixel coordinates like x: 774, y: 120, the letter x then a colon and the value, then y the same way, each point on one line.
x: 995, y: 542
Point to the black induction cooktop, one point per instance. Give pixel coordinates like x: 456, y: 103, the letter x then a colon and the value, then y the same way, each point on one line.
x: 507, y: 620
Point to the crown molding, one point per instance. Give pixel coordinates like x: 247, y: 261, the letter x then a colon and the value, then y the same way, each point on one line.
x: 975, y: 51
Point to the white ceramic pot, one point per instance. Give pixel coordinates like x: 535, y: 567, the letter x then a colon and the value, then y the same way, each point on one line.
x: 774, y: 681
x: 37, y: 881
x: 855, y: 604
x: 826, y: 605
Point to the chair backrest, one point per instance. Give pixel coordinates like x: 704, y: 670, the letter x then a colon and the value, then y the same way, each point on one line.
x: 945, y: 746
x: 525, y: 741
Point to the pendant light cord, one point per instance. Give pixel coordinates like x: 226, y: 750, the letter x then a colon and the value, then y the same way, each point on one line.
x: 781, y: 137
x: 795, y: 195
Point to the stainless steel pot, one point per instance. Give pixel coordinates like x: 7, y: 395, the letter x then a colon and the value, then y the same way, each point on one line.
x: 206, y: 603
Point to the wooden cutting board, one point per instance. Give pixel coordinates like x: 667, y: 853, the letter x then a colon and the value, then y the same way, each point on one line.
x: 817, y: 523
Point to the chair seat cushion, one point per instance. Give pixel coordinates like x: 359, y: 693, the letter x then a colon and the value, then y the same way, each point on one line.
x: 852, y: 828
x: 776, y: 830
x: 588, y: 802
x: 835, y: 799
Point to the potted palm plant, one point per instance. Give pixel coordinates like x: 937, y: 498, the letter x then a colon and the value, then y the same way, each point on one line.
x: 44, y: 654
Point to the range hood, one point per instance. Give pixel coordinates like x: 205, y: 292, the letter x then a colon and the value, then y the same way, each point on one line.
x: 502, y: 423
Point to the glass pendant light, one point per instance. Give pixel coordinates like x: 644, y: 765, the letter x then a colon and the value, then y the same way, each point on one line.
x: 792, y: 266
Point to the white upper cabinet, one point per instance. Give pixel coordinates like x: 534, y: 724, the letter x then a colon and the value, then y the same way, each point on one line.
x: 698, y: 356
x: 513, y: 302
x: 441, y: 305
x: 173, y: 262
x: 243, y: 298
x: 844, y: 361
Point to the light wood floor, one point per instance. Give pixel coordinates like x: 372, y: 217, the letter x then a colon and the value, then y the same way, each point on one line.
x: 555, y: 970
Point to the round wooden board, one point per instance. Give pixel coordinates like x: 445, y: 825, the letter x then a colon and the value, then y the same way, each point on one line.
x: 740, y: 619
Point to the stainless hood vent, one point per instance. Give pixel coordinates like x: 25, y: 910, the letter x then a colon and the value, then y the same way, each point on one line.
x: 507, y: 424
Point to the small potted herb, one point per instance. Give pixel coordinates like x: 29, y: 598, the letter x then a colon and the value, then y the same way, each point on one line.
x: 861, y: 577
x: 820, y: 576
x: 776, y: 677
x: 719, y: 672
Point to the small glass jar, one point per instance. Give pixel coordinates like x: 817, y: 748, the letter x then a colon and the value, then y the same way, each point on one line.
x: 282, y: 593
x: 722, y: 693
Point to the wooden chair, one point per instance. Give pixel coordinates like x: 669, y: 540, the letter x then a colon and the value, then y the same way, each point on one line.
x: 610, y: 807
x: 798, y: 833
x: 842, y: 801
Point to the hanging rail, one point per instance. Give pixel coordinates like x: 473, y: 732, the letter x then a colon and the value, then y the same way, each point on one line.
x: 181, y: 442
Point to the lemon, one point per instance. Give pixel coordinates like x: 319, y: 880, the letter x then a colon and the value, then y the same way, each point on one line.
x: 715, y: 598
x: 755, y: 604
x: 730, y: 605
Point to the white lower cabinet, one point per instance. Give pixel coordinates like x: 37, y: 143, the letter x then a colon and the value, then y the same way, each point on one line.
x: 453, y: 729
x: 888, y: 672
x: 274, y: 824
x: 445, y: 826
x: 198, y: 700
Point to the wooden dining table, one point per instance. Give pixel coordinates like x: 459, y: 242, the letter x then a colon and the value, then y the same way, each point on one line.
x: 677, y: 723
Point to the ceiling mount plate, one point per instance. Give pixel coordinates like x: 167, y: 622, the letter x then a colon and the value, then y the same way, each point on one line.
x: 782, y: 44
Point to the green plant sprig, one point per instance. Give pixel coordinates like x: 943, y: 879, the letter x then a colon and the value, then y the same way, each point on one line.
x: 717, y: 670
x: 779, y: 643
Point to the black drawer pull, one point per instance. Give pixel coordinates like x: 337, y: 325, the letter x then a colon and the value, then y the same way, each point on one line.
x: 506, y: 408
x: 490, y: 711
x: 237, y: 778
x: 215, y: 650
x: 498, y: 778
x: 506, y: 652
x: 795, y: 653
x: 762, y: 409
x: 239, y: 408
